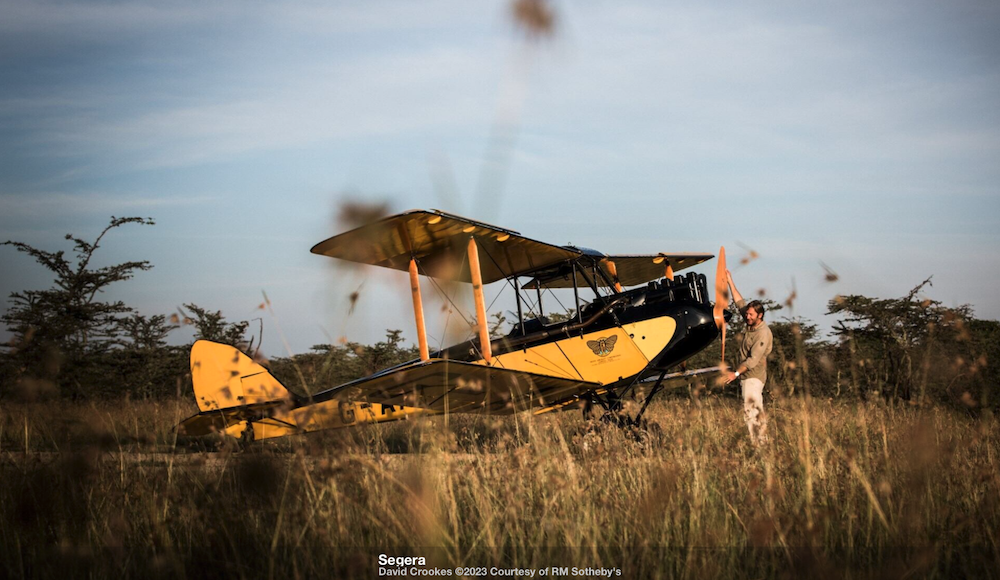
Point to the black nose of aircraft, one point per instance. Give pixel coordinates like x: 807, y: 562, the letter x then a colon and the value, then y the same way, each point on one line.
x: 695, y: 330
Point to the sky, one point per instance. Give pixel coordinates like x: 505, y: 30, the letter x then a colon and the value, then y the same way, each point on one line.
x: 863, y: 135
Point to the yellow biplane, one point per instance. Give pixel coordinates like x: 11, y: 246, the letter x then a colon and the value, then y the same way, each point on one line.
x: 643, y: 321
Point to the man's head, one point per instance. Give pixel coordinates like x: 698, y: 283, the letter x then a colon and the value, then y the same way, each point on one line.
x: 754, y: 313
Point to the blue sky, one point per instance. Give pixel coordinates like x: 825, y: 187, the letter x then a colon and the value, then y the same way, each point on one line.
x: 864, y: 135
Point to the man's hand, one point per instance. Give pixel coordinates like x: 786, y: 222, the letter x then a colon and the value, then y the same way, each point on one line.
x: 730, y: 377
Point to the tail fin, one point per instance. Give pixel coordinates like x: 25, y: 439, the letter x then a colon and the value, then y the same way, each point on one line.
x: 224, y: 377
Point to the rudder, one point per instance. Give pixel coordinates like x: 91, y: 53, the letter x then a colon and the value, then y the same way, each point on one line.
x: 224, y: 377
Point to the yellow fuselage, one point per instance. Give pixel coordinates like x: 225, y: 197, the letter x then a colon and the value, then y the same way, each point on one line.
x: 635, y: 345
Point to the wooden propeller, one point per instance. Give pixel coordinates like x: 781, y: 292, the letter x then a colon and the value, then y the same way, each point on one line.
x: 721, y: 299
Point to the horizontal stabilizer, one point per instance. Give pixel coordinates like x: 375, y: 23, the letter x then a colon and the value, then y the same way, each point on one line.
x: 220, y: 420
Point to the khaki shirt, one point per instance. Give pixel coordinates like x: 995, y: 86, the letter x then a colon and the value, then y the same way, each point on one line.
x: 754, y: 349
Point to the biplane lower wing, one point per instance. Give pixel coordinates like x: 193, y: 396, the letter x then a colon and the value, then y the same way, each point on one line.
x: 447, y: 386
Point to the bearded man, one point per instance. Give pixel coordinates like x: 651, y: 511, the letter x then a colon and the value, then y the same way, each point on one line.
x: 755, y: 346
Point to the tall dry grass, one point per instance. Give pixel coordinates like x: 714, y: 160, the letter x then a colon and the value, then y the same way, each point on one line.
x: 856, y: 489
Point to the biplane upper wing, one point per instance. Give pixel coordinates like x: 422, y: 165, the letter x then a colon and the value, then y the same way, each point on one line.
x: 459, y: 387
x: 439, y: 241
x: 632, y: 270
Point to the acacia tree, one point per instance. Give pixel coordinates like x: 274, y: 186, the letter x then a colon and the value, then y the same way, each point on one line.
x: 144, y: 333
x: 892, y: 342
x: 384, y: 353
x: 334, y: 364
x: 68, y: 320
x: 212, y: 326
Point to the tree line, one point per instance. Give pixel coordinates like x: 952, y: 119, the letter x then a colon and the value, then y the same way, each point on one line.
x: 68, y: 341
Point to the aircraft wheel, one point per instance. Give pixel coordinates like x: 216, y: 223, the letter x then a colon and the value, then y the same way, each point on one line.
x: 246, y: 438
x: 654, y: 432
x: 646, y: 433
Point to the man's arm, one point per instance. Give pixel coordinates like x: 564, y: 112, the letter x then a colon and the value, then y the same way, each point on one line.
x: 736, y: 293
x: 731, y: 376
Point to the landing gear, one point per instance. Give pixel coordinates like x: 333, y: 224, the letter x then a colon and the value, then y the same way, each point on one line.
x: 246, y: 438
x: 639, y: 428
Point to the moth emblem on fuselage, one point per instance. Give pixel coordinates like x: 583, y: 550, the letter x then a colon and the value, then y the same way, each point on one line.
x: 603, y: 346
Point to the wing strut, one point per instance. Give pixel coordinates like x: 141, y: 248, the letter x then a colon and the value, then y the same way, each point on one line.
x: 418, y: 311
x: 576, y: 294
x: 477, y: 292
x: 520, y: 310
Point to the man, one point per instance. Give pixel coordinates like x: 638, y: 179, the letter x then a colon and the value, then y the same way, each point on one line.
x: 752, y: 371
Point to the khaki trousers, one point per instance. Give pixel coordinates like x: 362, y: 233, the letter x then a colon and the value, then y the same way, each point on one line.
x: 753, y: 409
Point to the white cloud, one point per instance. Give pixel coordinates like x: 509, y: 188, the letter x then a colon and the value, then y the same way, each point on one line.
x: 34, y: 205
x: 308, y: 104
x: 94, y: 19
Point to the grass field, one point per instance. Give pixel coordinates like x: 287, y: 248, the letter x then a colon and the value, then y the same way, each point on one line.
x: 841, y: 490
